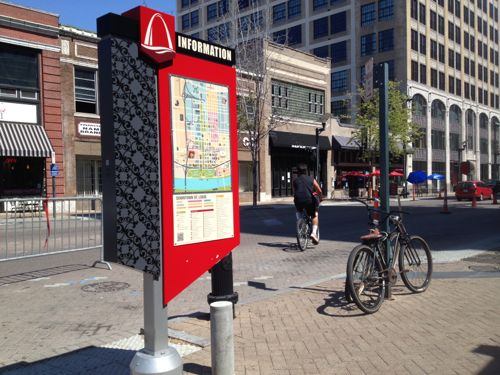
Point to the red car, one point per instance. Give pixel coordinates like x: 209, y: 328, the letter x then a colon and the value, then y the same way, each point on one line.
x: 467, y: 189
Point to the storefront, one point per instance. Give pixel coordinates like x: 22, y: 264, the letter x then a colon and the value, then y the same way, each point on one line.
x: 287, y: 151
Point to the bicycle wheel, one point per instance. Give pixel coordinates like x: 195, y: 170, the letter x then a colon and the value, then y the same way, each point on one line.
x: 415, y: 264
x: 365, y: 279
x: 302, y: 234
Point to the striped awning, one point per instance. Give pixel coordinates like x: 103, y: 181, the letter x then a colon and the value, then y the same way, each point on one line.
x: 24, y: 140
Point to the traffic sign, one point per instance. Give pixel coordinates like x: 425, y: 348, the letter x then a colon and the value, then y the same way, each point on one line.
x: 54, y: 170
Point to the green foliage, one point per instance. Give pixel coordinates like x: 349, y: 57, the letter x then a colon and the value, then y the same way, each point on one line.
x: 402, y: 130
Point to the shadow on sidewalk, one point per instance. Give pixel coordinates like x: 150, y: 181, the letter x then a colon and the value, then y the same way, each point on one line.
x: 20, y: 277
x: 493, y: 368
x: 194, y: 368
x: 90, y: 360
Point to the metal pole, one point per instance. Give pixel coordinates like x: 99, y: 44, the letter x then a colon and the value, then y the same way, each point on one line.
x: 54, y: 196
x: 157, y: 357
x: 384, y: 156
x: 317, y: 155
x: 222, y: 338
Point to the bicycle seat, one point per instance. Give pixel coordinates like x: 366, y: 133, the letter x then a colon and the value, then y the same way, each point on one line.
x: 373, y: 235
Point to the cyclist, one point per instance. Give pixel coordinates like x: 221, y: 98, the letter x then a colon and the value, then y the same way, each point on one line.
x: 304, y: 187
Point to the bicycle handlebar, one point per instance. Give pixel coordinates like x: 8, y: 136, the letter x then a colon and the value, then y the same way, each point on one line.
x: 378, y: 209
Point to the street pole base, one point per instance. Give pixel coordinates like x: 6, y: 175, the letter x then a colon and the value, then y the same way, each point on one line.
x: 168, y: 362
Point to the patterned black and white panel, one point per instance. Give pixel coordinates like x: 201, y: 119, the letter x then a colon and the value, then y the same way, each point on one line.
x: 134, y: 168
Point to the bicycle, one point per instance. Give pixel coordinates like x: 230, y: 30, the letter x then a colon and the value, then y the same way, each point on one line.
x: 304, y: 230
x: 369, y: 271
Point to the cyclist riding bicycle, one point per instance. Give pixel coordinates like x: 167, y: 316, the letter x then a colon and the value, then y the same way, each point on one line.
x: 304, y: 187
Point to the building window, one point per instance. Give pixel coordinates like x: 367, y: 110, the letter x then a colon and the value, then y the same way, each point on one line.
x: 385, y: 9
x: 458, y: 61
x: 320, y: 27
x: 338, y: 22
x: 441, y: 81
x: 423, y: 74
x: 414, y: 40
x: 339, y: 52
x: 341, y: 109
x: 422, y: 13
x: 458, y: 87
x: 294, y: 8
x: 433, y: 49
x: 316, y: 103
x: 434, y: 78
x: 85, y: 91
x: 211, y: 11
x: 386, y: 40
x: 319, y: 4
x: 321, y: 51
x: 451, y: 85
x: 414, y: 71
x: 368, y: 15
x: 433, y: 20
x: 368, y: 44
x: 451, y: 31
x: 423, y: 46
x: 441, y: 25
x: 451, y: 58
x: 295, y: 35
x: 437, y: 139
x: 19, y: 77
x: 280, y: 96
x: 441, y: 53
x: 340, y: 82
x: 279, y: 12
x: 414, y: 9
x: 88, y: 176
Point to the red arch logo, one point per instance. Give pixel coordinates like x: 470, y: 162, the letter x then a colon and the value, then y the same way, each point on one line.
x: 157, y: 34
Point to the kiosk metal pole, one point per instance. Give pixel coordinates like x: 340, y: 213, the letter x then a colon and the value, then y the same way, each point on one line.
x: 157, y: 357
x: 384, y: 155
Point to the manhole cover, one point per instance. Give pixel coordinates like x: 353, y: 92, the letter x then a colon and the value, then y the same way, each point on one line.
x: 481, y: 268
x: 105, y: 286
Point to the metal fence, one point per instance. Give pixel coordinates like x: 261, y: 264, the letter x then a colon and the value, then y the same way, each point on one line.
x: 32, y: 227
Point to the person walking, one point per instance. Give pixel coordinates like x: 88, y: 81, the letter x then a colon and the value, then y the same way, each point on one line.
x: 306, y: 196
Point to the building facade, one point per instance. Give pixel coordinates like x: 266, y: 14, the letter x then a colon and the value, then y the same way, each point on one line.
x: 80, y: 112
x: 444, y: 53
x: 297, y: 84
x: 30, y: 103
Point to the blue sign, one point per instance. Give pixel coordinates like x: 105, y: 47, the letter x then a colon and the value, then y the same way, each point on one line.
x: 54, y: 170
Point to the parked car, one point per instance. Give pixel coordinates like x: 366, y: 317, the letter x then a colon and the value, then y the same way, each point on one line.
x: 467, y: 189
x: 494, y: 185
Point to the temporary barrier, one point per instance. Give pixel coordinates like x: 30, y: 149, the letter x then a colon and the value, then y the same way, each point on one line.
x: 32, y: 227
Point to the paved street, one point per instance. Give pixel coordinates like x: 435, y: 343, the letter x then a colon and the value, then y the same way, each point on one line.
x: 59, y: 310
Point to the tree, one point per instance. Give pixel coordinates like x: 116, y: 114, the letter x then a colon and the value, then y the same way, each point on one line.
x: 402, y: 131
x: 248, y: 35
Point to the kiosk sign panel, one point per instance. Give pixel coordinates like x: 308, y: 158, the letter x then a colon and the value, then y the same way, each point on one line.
x: 201, y: 153
x: 169, y: 146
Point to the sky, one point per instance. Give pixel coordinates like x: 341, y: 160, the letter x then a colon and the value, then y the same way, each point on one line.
x: 83, y: 13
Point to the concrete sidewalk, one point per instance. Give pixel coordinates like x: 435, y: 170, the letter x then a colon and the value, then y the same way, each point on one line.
x: 452, y: 328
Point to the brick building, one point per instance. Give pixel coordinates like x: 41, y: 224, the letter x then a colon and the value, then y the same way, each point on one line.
x: 30, y: 102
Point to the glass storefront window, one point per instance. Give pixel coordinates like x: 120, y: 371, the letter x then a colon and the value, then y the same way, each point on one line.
x: 21, y: 177
x: 245, y: 176
x: 88, y: 177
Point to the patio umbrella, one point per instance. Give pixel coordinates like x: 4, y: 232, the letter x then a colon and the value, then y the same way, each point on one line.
x: 396, y: 174
x: 355, y: 174
x: 375, y: 173
x: 417, y: 177
x: 435, y: 176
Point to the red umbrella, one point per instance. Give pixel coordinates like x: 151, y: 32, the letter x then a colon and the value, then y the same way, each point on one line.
x: 355, y: 174
x: 375, y: 173
x: 396, y: 174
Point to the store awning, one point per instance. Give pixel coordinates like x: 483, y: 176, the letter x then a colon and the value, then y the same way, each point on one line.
x: 24, y: 140
x: 345, y: 143
x: 297, y: 140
